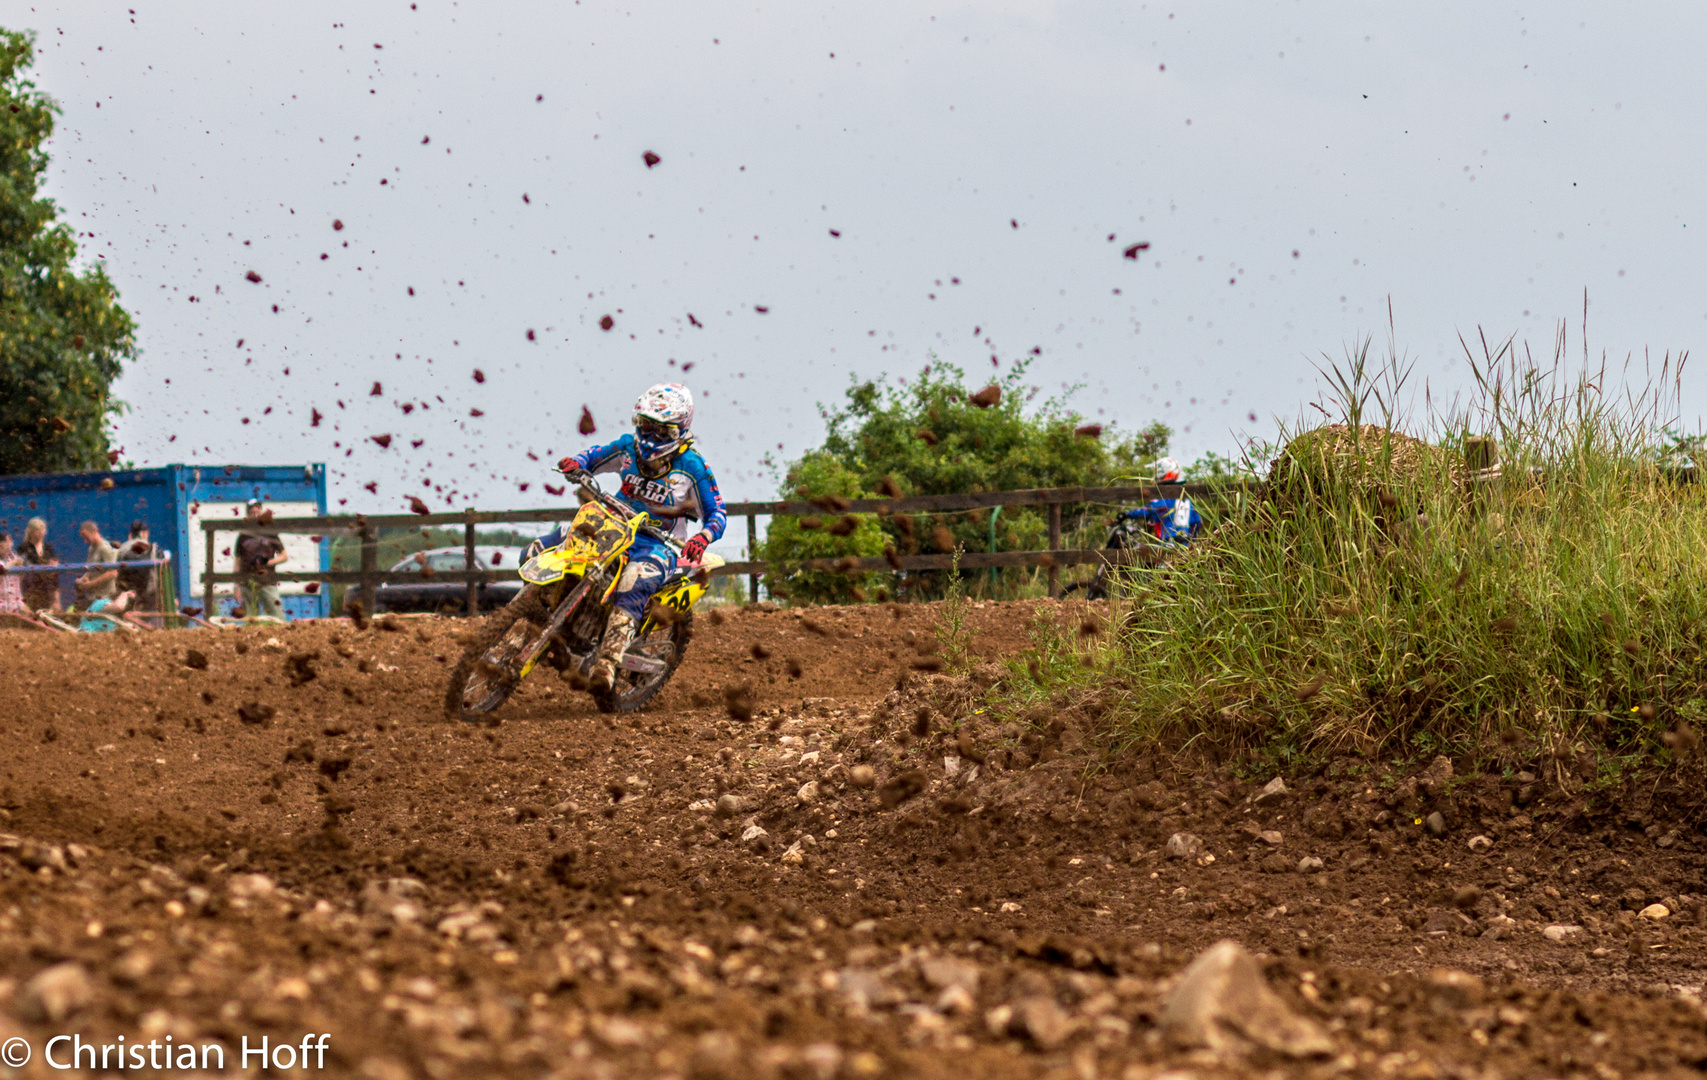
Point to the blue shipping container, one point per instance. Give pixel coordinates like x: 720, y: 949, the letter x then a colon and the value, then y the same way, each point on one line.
x: 172, y: 499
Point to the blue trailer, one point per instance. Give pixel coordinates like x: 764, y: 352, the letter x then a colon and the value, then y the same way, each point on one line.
x: 173, y: 500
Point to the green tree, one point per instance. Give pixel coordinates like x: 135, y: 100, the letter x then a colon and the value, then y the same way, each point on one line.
x: 62, y: 333
x: 791, y: 540
x: 937, y: 435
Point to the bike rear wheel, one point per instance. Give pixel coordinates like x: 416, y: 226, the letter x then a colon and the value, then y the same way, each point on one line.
x: 661, y: 643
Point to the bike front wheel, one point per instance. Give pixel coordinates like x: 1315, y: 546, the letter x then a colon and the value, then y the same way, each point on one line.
x: 488, y: 671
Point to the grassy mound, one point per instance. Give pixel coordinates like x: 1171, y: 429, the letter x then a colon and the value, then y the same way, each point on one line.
x: 1389, y: 595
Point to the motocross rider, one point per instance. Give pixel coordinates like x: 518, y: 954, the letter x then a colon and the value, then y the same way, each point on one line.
x: 1174, y: 521
x: 665, y: 476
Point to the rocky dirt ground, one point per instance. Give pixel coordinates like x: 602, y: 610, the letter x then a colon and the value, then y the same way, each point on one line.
x: 271, y: 832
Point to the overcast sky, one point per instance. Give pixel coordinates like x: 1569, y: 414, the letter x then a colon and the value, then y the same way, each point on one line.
x: 985, y: 164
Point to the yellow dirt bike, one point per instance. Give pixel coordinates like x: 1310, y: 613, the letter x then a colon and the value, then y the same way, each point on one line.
x: 559, y: 616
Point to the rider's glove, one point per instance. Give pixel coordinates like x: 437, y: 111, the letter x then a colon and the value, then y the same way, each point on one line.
x: 694, y: 550
x: 568, y: 466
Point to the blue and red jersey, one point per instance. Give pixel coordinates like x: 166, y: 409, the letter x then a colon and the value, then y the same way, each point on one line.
x: 687, y: 490
x: 1173, y: 521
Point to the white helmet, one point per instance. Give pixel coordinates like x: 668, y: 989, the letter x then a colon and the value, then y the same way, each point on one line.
x: 663, y: 416
x: 1168, y: 471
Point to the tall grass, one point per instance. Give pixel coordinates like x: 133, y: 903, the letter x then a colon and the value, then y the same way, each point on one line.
x: 1393, y: 595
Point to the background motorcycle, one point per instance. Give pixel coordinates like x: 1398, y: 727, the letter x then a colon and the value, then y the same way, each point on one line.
x: 1127, y: 533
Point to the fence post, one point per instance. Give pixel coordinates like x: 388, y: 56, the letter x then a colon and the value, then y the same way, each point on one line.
x: 370, y: 564
x: 753, y: 554
x: 207, y: 579
x: 469, y: 564
x: 1054, y: 545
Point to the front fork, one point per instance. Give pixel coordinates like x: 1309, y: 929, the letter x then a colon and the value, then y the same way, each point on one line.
x: 565, y: 610
x: 543, y: 642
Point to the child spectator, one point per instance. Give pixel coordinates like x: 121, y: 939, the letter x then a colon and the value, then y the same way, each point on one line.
x: 11, y: 585
x: 117, y: 605
x: 41, y: 591
x: 97, y: 584
x: 257, y: 555
x: 144, y: 581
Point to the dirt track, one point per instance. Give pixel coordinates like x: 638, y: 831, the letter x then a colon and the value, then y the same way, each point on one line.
x: 565, y: 896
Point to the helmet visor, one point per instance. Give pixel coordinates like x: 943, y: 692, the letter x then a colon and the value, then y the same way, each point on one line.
x: 655, y: 430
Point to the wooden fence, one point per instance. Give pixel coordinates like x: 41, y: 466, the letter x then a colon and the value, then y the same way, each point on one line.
x: 369, y: 577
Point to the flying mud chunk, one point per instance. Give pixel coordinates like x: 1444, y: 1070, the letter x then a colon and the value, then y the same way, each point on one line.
x: 738, y: 703
x: 906, y: 786
x: 253, y: 712
x: 299, y: 668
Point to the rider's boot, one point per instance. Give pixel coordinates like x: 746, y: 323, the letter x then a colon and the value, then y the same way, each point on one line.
x: 619, y: 631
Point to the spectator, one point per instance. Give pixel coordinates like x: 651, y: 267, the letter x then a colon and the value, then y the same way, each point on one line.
x: 11, y: 585
x: 117, y: 606
x: 41, y: 591
x: 97, y: 584
x: 257, y: 555
x: 144, y: 581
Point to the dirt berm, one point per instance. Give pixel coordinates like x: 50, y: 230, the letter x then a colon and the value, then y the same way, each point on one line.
x: 274, y: 832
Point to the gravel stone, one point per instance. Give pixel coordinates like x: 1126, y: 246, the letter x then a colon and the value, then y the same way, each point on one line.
x: 1184, y: 845
x: 1222, y: 1003
x: 55, y: 993
x: 1272, y: 793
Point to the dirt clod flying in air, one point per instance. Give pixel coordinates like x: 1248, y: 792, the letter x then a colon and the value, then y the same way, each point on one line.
x: 738, y: 703
x: 253, y: 712
x: 903, y: 787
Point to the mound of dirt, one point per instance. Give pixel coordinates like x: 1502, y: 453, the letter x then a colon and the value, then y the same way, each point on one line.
x: 1369, y: 463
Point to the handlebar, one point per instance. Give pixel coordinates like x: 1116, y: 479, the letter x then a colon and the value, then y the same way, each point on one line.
x: 590, y: 486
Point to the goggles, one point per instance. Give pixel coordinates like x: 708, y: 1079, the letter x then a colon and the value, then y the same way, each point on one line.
x: 657, y: 430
